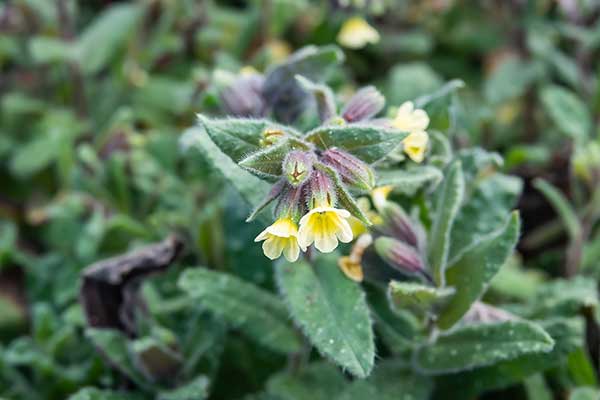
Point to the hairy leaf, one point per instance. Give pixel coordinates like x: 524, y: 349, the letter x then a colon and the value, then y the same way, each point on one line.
x: 414, y: 295
x: 471, y: 274
x: 409, y: 181
x: 331, y: 310
x: 368, y: 143
x: 479, y: 345
x: 254, y: 311
x: 449, y: 198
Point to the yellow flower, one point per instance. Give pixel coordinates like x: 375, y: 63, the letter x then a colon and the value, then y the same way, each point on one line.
x: 281, y: 237
x: 380, y: 195
x: 357, y: 33
x: 351, y: 265
x: 325, y: 226
x: 415, y: 145
x: 357, y: 226
x: 414, y: 122
x: 410, y: 120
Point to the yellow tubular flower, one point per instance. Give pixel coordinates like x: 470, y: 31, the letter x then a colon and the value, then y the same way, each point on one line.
x: 324, y: 226
x: 415, y: 122
x: 380, y: 195
x: 281, y: 237
x: 357, y: 33
x: 415, y: 145
x: 351, y: 265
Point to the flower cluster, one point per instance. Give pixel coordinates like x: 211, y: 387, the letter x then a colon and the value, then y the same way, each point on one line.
x: 307, y: 202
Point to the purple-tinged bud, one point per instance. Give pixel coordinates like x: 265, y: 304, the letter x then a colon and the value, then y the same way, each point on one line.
x: 243, y: 97
x: 321, y: 190
x: 365, y: 104
x: 400, y: 255
x: 291, y: 203
x: 398, y: 224
x: 353, y: 171
x: 298, y: 166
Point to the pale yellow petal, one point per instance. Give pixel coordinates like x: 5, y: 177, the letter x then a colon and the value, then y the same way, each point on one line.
x: 272, y: 247
x: 291, y: 251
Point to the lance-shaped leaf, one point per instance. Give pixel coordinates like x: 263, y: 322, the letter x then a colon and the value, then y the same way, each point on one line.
x: 239, y: 137
x: 567, y: 335
x: 197, y: 389
x: 331, y: 310
x: 323, y: 97
x: 405, y: 295
x: 266, y: 163
x: 368, y: 143
x: 316, y: 381
x: 484, y: 211
x: 257, y: 313
x: 480, y: 345
x: 344, y: 198
x: 391, y: 380
x: 568, y: 112
x: 471, y: 274
x: 409, y: 181
x: 251, y: 188
x: 449, y: 198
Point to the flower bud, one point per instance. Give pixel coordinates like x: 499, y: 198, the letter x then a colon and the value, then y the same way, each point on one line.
x: 243, y: 97
x: 398, y: 224
x: 321, y: 190
x: 400, y: 255
x: 298, y: 166
x: 290, y: 203
x: 365, y: 104
x: 353, y: 171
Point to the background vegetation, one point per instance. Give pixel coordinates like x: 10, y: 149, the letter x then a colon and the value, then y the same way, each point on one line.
x: 95, y: 97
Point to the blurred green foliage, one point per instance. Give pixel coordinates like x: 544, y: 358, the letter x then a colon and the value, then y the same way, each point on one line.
x: 95, y: 98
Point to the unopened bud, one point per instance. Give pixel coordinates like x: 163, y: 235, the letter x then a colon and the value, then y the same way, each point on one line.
x: 586, y: 162
x: 353, y: 171
x: 291, y: 203
x: 298, y: 166
x: 398, y: 224
x: 400, y: 255
x: 365, y: 104
x: 321, y: 190
x: 243, y: 97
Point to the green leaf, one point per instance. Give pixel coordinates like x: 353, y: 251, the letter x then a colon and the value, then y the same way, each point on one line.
x: 567, y: 111
x: 409, y: 181
x: 471, y: 274
x: 480, y: 345
x: 106, y: 36
x: 484, y: 211
x: 585, y: 393
x: 449, y: 198
x: 331, y: 310
x: 254, y: 311
x: 368, y: 143
x: 35, y: 155
x: 45, y: 50
x: 252, y: 189
x: 91, y: 393
x: 391, y: 380
x: 564, y: 297
x: 316, y: 381
x: 561, y: 205
x: 194, y: 390
x: 567, y: 335
x: 236, y: 137
x: 411, y: 80
x: 448, y: 88
x: 114, y: 345
x: 405, y: 295
x: 510, y: 79
x: 267, y: 163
